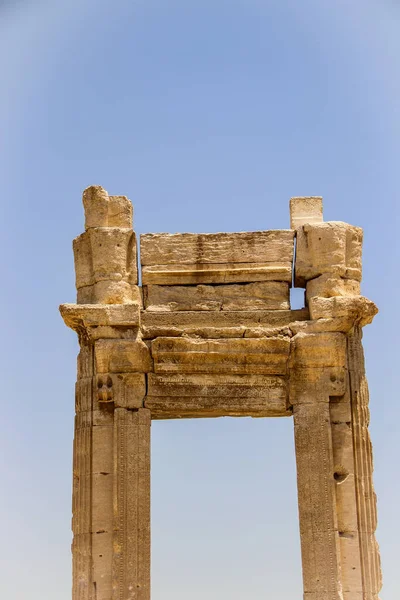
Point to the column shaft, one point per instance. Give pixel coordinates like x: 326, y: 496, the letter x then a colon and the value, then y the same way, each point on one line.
x: 82, y: 588
x: 131, y: 541
x: 317, y: 503
x: 365, y: 495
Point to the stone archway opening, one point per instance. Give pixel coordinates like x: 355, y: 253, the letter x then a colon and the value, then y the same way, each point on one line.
x: 224, y: 510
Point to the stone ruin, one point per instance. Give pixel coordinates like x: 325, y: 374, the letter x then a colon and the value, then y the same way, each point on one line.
x: 210, y: 333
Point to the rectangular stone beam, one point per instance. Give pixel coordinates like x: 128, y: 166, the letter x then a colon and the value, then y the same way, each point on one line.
x: 190, y: 258
x: 218, y: 324
x: 176, y: 396
x: 263, y: 356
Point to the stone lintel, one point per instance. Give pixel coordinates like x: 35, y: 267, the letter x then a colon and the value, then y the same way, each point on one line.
x: 266, y: 295
x: 206, y: 408
x: 175, y: 396
x: 217, y: 324
x: 317, y: 501
x: 217, y: 258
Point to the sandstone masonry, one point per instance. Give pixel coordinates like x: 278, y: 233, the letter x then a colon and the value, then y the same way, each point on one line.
x: 209, y: 334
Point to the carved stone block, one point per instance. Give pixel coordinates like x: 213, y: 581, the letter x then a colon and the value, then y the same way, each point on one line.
x: 267, y: 356
x: 122, y: 356
x: 331, y: 247
x: 176, y: 396
x: 270, y: 295
x: 124, y: 390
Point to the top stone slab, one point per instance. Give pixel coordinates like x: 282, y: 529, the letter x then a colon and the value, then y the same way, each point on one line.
x: 305, y: 209
x: 191, y: 258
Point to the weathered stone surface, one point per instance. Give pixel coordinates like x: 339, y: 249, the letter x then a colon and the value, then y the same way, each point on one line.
x: 108, y: 292
x: 227, y: 349
x: 105, y: 265
x: 105, y: 255
x: 124, y: 390
x: 241, y: 356
x: 339, y: 324
x: 305, y: 209
x: 329, y: 381
x: 351, y: 575
x: 220, y: 324
x: 328, y: 285
x: 239, y: 386
x: 122, y: 356
x: 77, y: 316
x: 216, y: 257
x: 206, y: 407
x: 317, y: 501
x: 251, y: 296
x: 212, y: 248
x: 363, y: 468
x: 102, y: 506
x: 331, y: 247
x: 177, y: 396
x: 360, y: 310
x: 200, y: 273
x: 131, y: 536
x: 102, y: 210
x: 318, y: 350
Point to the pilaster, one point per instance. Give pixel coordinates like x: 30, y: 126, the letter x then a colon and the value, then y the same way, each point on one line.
x: 111, y: 489
x: 317, y: 373
x: 328, y: 265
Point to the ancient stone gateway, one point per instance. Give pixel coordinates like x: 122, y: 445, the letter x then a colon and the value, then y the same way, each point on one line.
x: 210, y: 333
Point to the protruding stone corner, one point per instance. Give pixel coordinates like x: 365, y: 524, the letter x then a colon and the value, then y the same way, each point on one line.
x: 78, y: 316
x: 103, y: 210
x: 357, y: 310
x: 305, y: 209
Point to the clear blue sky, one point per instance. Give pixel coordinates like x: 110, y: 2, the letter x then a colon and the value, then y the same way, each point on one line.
x: 209, y: 115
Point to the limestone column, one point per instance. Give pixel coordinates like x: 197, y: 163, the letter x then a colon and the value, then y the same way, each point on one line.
x: 328, y: 265
x: 111, y: 483
x: 82, y: 478
x: 316, y: 374
x: 131, y: 537
x: 365, y: 494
